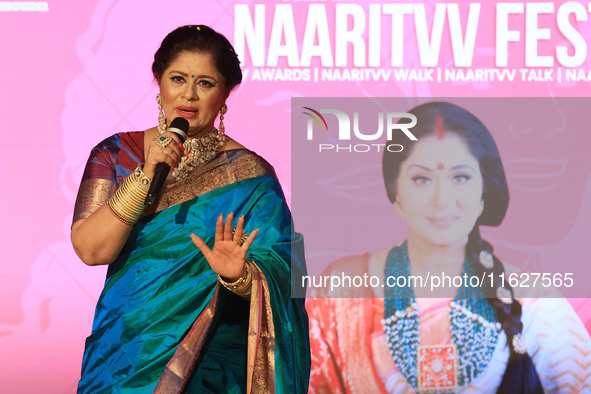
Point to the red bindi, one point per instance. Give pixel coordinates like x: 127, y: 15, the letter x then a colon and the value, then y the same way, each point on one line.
x: 440, y: 166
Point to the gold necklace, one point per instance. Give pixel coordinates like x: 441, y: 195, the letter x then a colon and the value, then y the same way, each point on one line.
x: 201, y: 150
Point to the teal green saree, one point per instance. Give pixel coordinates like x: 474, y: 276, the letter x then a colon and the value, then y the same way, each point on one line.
x: 163, y: 323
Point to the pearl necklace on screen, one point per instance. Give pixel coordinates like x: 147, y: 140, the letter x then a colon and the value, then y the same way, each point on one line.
x: 474, y: 327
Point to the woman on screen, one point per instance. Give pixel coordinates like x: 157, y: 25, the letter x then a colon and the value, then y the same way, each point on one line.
x: 197, y: 296
x: 470, y: 338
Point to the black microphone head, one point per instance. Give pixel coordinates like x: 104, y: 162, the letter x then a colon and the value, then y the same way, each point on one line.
x: 179, y: 126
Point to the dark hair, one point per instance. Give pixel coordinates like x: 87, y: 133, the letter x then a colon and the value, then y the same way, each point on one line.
x: 520, y: 374
x: 202, y: 39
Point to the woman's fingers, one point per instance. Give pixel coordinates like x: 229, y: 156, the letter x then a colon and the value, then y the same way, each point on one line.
x: 250, y: 239
x: 227, y: 258
x: 170, y: 143
x: 228, y: 227
x: 201, y: 245
x: 170, y: 155
x: 239, y: 233
x: 240, y: 238
x: 176, y: 138
x: 164, y: 148
x: 168, y: 159
x: 219, y: 229
x: 224, y: 233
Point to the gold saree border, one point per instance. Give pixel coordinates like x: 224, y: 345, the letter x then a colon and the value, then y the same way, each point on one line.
x: 260, y: 349
x: 217, y: 173
x: 92, y: 195
x: 261, y: 337
x: 178, y: 370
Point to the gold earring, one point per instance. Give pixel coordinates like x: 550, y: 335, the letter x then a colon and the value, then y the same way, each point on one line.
x: 398, y: 209
x: 161, y: 117
x: 221, y: 127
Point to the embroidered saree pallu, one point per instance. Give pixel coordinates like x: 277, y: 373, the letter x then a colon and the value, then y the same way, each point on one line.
x: 164, y: 323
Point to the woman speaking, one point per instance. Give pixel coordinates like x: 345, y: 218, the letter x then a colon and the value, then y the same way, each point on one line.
x: 197, y: 296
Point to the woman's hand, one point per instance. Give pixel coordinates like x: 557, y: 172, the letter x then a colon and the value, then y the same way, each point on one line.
x: 171, y: 153
x: 228, y: 256
x: 99, y: 238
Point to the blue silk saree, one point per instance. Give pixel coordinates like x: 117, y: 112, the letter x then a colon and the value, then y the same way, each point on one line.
x: 163, y: 323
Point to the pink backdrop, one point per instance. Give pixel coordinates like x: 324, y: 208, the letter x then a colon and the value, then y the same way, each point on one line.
x: 73, y: 73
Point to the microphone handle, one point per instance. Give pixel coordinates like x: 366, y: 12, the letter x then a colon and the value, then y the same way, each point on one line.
x: 162, y: 170
x: 180, y: 127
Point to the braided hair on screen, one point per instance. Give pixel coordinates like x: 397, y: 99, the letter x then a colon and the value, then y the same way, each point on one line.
x: 440, y: 118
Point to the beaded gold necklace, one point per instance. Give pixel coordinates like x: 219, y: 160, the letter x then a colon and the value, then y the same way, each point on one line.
x: 201, y: 150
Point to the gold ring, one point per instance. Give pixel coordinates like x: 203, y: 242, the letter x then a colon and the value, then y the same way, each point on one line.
x: 242, y: 239
x: 163, y: 141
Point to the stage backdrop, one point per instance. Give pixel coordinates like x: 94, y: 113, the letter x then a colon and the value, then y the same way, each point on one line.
x: 74, y: 72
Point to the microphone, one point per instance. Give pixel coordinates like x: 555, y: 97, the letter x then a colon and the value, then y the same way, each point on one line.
x: 179, y: 126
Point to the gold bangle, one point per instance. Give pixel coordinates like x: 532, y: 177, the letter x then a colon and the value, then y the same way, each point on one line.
x: 127, y: 204
x: 118, y: 215
x: 241, y: 286
x: 141, y: 177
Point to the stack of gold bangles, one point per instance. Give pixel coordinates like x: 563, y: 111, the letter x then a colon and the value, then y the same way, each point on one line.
x: 241, y: 286
x: 127, y: 204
